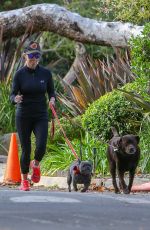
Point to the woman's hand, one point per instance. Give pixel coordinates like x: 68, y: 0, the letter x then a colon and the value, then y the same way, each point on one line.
x: 18, y: 99
x: 52, y: 101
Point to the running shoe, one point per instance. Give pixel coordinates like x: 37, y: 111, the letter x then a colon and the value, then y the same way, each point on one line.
x: 36, y: 172
x: 25, y: 186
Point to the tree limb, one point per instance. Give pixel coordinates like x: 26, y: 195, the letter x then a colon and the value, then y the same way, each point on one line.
x: 81, y: 56
x: 51, y: 17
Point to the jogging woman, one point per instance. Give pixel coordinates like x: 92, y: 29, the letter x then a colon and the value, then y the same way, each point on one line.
x: 30, y: 85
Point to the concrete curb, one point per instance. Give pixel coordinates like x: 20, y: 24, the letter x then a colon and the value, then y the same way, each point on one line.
x: 61, y: 182
x: 58, y: 182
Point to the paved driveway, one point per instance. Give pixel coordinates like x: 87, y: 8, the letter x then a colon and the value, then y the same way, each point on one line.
x: 41, y: 210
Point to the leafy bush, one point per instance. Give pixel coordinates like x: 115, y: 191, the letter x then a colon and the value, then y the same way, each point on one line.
x: 72, y: 127
x: 136, y: 11
x: 111, y: 109
x: 139, y: 104
x: 145, y: 145
x: 7, y: 110
x: 140, y: 53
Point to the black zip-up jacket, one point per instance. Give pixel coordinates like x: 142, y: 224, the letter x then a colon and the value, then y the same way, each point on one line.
x: 33, y: 85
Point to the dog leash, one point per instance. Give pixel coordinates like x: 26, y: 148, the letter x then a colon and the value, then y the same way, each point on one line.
x: 52, y: 131
x: 67, y: 140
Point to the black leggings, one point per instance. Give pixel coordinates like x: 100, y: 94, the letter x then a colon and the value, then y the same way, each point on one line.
x: 25, y: 126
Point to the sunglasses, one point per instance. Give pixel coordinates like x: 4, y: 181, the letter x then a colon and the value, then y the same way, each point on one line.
x: 34, y: 55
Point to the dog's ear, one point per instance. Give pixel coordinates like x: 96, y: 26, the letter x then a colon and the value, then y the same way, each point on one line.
x: 114, y: 132
x: 137, y: 139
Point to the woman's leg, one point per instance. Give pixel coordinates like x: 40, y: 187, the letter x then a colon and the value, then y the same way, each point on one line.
x: 24, y: 129
x: 40, y: 130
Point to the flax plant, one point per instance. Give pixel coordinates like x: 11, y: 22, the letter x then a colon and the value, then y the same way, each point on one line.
x: 59, y: 156
x: 94, y: 79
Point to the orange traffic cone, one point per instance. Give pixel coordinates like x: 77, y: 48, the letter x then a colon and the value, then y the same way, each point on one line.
x: 12, y: 173
x: 141, y: 188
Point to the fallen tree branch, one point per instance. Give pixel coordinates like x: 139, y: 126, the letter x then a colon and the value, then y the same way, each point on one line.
x: 51, y: 17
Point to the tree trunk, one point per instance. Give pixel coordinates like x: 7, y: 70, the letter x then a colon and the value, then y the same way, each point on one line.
x: 51, y: 17
x: 80, y: 56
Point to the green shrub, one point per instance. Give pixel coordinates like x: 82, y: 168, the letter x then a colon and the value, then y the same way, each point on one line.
x: 72, y: 127
x: 7, y: 110
x: 145, y: 145
x: 140, y: 61
x: 140, y: 53
x: 113, y: 109
x: 136, y: 11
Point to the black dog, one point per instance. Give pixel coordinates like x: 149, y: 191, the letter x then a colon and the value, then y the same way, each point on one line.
x: 80, y: 172
x: 123, y: 155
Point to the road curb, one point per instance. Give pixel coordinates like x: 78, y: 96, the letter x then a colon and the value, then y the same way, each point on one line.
x: 61, y: 182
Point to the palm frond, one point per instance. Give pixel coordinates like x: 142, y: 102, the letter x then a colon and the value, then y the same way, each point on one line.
x: 143, y: 105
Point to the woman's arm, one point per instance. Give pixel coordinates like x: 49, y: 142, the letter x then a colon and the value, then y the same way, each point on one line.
x: 51, y: 90
x: 14, y: 95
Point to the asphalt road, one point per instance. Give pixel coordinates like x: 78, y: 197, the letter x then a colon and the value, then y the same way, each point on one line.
x: 41, y: 210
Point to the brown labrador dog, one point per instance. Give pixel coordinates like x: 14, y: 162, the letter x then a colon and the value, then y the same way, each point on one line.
x: 123, y: 155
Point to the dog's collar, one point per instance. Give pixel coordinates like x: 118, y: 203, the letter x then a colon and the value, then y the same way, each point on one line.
x: 76, y: 170
x: 117, y: 149
x: 114, y: 148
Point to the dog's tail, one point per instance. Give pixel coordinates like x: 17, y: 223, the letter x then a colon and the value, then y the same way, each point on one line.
x: 114, y: 132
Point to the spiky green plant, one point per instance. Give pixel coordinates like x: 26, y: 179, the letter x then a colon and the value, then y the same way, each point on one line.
x: 59, y: 157
x: 94, y: 79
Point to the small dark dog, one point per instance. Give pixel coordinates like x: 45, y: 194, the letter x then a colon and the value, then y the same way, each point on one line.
x: 80, y: 172
x: 123, y: 154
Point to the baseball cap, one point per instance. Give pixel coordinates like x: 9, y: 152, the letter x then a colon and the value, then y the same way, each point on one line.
x: 33, y: 47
